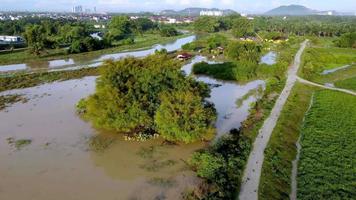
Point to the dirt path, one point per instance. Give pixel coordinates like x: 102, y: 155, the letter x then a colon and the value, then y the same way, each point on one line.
x: 325, y: 87
x: 252, y: 174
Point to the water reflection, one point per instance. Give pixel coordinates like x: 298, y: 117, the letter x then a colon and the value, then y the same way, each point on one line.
x: 224, y: 95
x: 92, y: 61
x: 269, y: 58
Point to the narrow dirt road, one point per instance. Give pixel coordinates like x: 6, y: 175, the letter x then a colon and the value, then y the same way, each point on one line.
x: 252, y: 174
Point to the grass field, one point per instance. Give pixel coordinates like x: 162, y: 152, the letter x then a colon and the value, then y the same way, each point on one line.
x: 144, y: 41
x: 281, y: 150
x: 317, y: 59
x: 327, y: 165
x: 349, y: 83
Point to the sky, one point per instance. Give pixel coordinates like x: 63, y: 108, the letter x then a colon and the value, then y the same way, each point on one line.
x: 249, y: 6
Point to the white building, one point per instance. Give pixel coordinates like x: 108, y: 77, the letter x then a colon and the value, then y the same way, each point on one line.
x: 10, y: 39
x: 211, y: 13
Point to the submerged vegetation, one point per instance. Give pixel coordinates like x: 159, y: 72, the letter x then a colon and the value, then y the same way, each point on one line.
x: 147, y: 96
x: 326, y: 169
x: 7, y: 100
x: 20, y: 143
x: 23, y: 80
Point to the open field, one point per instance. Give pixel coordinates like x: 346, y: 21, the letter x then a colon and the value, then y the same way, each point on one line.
x: 326, y: 169
x: 316, y: 60
x: 349, y: 83
x: 281, y: 150
x: 143, y: 41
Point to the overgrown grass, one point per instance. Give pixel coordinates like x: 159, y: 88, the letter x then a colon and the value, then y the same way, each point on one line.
x: 316, y: 60
x: 20, y: 80
x: 281, y: 150
x: 224, y: 71
x: 327, y: 164
x: 143, y: 41
x: 349, y: 83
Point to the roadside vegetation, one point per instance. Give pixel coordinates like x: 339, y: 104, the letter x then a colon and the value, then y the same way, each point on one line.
x: 326, y: 169
x: 347, y: 84
x: 281, y: 150
x: 221, y: 165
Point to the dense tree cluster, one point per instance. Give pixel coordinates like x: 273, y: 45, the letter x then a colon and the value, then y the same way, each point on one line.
x: 347, y: 40
x: 321, y: 26
x: 148, y: 96
x: 241, y: 26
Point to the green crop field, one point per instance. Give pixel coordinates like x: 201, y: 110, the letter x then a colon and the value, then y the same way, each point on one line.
x: 347, y: 83
x: 327, y: 165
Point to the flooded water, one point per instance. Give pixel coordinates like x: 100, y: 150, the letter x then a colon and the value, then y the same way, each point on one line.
x: 224, y: 95
x: 269, y: 59
x: 72, y: 63
x: 61, y: 163
x: 330, y: 71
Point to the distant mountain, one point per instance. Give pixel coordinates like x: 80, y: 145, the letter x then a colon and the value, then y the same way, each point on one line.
x: 193, y: 12
x: 292, y: 10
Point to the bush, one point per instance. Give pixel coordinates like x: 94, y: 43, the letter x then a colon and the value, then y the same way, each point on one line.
x: 222, y: 164
x: 129, y: 99
x: 168, y: 32
x: 181, y: 116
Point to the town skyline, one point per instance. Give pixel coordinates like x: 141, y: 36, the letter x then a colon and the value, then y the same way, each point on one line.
x: 254, y: 6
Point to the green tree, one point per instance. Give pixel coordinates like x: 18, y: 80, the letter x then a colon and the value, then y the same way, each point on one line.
x: 242, y: 27
x: 119, y: 27
x: 168, y: 31
x: 35, y: 38
x: 183, y: 117
x: 129, y: 93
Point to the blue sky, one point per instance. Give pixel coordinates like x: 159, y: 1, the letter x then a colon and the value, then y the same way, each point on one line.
x: 254, y: 6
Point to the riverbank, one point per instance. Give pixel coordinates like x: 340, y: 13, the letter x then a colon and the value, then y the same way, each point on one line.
x: 142, y: 42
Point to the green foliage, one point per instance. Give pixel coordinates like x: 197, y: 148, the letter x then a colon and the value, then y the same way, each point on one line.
x: 35, y: 37
x: 86, y: 44
x: 207, y: 44
x: 119, y: 28
x: 244, y: 51
x: 208, y: 24
x: 347, y: 40
x: 242, y: 27
x: 316, y: 60
x: 224, y: 71
x: 182, y: 117
x: 349, y: 83
x: 168, y: 31
x: 129, y: 95
x: 222, y: 164
x: 326, y: 168
x: 281, y: 150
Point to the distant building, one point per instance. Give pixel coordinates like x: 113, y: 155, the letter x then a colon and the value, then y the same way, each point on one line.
x: 77, y: 9
x: 211, y: 13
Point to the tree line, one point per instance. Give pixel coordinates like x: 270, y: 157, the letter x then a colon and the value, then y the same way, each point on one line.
x: 45, y: 33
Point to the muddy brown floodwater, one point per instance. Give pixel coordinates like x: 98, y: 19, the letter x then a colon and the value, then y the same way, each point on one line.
x: 60, y: 163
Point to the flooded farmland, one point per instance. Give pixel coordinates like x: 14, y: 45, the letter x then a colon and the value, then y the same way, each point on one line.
x: 48, y: 152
